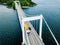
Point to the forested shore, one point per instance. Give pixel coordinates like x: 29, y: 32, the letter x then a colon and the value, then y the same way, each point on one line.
x: 10, y: 3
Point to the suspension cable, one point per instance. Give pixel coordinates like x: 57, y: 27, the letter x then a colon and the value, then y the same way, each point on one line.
x: 51, y: 31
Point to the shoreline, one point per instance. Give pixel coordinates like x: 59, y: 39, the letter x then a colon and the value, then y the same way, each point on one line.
x: 23, y: 5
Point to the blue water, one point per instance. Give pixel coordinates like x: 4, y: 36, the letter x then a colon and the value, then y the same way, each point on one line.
x: 10, y: 31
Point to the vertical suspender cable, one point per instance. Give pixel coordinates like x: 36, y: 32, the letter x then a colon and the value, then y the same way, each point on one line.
x: 36, y: 25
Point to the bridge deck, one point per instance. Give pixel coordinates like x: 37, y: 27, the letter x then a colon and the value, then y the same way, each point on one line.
x: 33, y: 39
x: 33, y: 36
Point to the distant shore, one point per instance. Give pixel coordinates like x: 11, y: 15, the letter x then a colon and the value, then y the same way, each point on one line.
x: 24, y: 4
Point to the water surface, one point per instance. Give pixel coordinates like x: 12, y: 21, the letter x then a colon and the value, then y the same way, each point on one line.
x: 10, y: 32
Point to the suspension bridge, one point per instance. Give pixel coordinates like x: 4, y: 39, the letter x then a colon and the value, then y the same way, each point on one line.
x: 31, y: 37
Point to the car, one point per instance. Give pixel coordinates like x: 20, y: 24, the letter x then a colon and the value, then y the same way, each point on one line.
x: 27, y: 28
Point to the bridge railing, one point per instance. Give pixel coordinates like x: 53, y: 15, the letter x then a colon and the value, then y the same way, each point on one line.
x: 29, y: 19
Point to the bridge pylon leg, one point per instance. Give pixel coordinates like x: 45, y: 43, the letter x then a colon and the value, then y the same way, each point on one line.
x: 40, y: 31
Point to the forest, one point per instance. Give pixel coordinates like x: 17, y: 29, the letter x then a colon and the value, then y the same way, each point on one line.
x: 10, y: 3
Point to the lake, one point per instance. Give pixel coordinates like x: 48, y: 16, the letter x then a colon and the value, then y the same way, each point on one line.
x: 10, y: 30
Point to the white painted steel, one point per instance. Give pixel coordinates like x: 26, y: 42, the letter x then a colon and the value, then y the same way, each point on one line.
x: 26, y: 38
x: 35, y: 18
